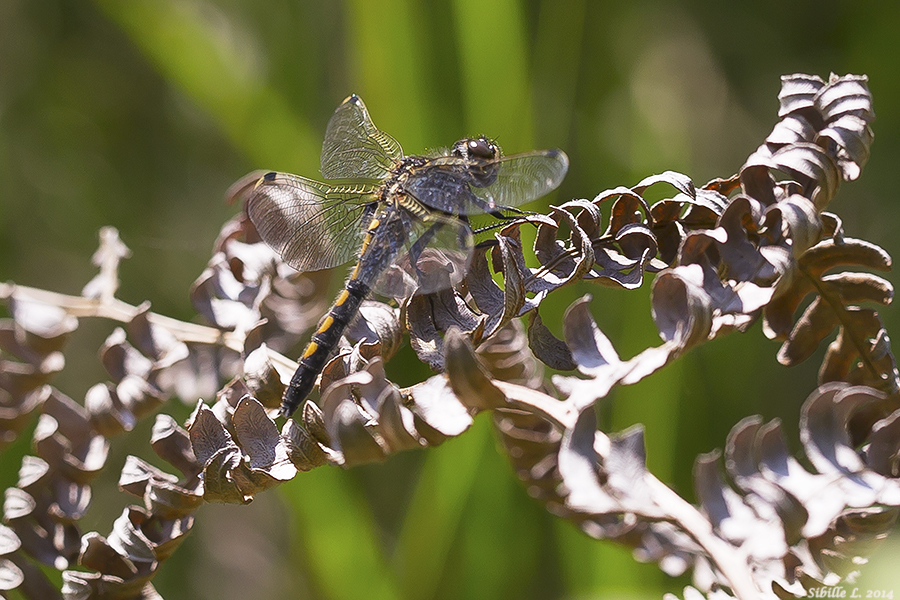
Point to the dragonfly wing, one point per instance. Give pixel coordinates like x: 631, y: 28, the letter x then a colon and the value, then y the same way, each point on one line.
x: 455, y: 185
x: 436, y: 255
x: 312, y: 225
x: 522, y: 178
x: 354, y: 148
x: 444, y: 185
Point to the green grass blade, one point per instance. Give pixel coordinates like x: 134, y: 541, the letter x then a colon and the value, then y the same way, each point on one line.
x: 493, y: 47
x: 433, y: 519
x: 385, y: 56
x: 200, y: 55
x: 337, y: 532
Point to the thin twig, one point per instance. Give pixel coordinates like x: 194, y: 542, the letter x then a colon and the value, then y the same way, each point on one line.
x: 117, y: 310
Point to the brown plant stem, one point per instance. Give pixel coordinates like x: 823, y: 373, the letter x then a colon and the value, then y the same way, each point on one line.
x: 117, y: 310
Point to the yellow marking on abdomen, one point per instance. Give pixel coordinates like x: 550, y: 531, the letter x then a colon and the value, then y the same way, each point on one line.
x: 342, y: 297
x: 327, y: 322
x: 310, y: 350
x: 362, y: 249
x: 368, y: 237
x: 365, y: 244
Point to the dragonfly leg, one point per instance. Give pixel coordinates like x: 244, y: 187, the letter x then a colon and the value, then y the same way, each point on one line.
x: 416, y: 250
x: 504, y: 215
x: 500, y: 212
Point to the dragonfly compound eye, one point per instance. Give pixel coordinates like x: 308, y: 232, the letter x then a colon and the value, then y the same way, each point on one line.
x: 483, y: 148
x: 476, y: 149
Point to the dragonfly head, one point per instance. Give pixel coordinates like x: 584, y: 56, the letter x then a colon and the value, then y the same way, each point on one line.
x: 476, y: 149
x: 480, y: 155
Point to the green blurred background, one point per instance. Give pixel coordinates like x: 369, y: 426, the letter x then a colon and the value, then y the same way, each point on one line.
x: 140, y: 114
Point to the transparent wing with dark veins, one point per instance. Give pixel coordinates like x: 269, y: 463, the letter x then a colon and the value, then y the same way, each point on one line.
x: 354, y: 148
x: 312, y: 225
x: 454, y: 185
x: 435, y: 254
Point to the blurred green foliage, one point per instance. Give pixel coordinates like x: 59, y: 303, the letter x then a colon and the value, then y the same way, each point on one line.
x: 140, y: 113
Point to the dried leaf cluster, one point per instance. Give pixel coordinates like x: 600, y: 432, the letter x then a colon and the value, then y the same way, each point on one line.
x: 756, y: 245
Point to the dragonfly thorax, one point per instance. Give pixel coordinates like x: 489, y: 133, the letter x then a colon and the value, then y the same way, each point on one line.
x: 391, y: 190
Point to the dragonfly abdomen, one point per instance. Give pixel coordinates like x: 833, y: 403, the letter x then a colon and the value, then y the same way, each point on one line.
x: 323, y: 342
x: 376, y: 255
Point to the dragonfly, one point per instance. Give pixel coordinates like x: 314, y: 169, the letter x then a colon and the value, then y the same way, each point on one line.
x: 405, y: 219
